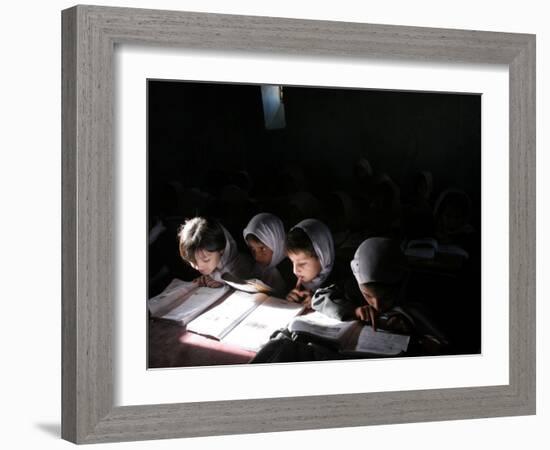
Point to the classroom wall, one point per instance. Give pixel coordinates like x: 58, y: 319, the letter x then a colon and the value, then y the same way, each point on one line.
x: 199, y: 128
x: 30, y: 225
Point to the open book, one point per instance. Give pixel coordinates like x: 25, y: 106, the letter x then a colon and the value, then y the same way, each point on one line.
x: 246, y: 320
x: 182, y: 301
x: 352, y: 337
x: 252, y: 285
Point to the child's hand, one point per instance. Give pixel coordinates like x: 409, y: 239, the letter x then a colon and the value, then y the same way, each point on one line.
x: 211, y: 283
x: 200, y: 281
x: 367, y: 314
x: 307, y: 300
x: 207, y: 281
x: 299, y: 295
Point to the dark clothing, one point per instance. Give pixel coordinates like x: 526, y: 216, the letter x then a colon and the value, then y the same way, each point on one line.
x: 338, y: 301
x: 283, y: 348
x: 404, y: 317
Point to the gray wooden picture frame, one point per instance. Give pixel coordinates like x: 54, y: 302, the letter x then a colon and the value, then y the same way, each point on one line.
x: 89, y: 37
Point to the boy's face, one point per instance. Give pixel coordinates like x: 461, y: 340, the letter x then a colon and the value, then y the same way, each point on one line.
x: 305, y: 266
x: 260, y: 252
x: 205, y: 261
x: 374, y: 299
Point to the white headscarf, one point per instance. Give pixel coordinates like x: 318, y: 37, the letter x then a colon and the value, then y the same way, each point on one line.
x: 378, y: 260
x: 270, y: 230
x: 231, y: 260
x: 321, y: 238
x: 230, y: 250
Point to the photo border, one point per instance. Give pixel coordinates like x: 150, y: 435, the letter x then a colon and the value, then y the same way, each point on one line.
x: 89, y: 37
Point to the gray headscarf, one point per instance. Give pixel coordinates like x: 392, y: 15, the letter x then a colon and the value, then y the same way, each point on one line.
x: 378, y: 260
x: 231, y: 261
x: 321, y: 238
x: 270, y: 230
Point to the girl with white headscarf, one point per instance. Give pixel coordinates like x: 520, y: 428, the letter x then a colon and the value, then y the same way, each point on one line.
x: 378, y: 269
x: 265, y: 236
x: 377, y: 260
x: 209, y: 248
x: 310, y: 247
x: 380, y: 275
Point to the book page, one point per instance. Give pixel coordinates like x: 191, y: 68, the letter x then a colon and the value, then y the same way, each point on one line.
x: 319, y: 325
x: 254, y: 331
x: 197, y: 301
x: 252, y: 285
x: 217, y: 322
x: 381, y: 342
x: 169, y: 297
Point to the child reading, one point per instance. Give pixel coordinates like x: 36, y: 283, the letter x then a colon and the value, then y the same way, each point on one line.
x: 209, y: 248
x: 378, y: 268
x: 380, y: 278
x: 265, y: 237
x: 310, y: 247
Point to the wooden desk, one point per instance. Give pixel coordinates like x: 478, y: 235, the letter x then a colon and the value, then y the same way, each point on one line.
x: 170, y: 345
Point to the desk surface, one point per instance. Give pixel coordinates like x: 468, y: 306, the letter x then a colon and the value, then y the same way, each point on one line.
x: 170, y: 345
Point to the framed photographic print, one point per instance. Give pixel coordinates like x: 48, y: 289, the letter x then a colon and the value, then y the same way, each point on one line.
x: 216, y: 151
x: 174, y: 120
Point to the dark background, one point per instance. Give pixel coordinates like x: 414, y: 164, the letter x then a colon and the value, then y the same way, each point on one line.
x: 199, y: 128
x: 209, y: 152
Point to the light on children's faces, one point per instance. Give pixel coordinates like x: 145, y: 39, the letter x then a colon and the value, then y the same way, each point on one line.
x: 260, y: 252
x: 370, y: 297
x: 305, y: 266
x: 379, y: 302
x: 206, y: 261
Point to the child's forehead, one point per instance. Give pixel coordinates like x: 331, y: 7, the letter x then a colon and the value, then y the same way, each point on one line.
x: 299, y: 256
x: 253, y: 240
x: 203, y: 253
x: 365, y: 289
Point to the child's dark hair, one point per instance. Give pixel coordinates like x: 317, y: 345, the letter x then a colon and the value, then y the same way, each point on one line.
x: 254, y: 238
x: 297, y: 240
x: 200, y: 233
